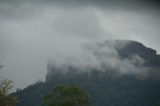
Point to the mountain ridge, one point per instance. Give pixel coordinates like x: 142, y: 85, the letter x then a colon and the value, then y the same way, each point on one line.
x: 128, y: 77
x: 136, y: 54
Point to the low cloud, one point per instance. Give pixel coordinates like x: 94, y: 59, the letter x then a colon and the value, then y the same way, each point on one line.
x: 101, y: 56
x: 34, y: 30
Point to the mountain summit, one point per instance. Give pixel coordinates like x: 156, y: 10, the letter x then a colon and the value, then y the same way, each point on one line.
x: 113, y: 73
x: 122, y: 56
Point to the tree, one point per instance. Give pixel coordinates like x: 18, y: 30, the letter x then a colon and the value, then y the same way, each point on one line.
x: 66, y: 95
x: 5, y: 98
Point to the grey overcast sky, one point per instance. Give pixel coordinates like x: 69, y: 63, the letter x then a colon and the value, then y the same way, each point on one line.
x: 31, y: 31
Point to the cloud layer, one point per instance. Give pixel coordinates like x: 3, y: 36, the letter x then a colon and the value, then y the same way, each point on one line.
x: 34, y: 30
x: 101, y: 56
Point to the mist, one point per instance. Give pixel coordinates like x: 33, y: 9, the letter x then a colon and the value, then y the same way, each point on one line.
x: 31, y: 32
x: 101, y: 56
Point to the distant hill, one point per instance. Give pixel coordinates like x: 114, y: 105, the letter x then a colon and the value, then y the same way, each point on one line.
x: 113, y: 73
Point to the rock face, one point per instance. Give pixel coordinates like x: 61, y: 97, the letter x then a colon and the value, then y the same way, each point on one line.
x: 115, y: 73
x: 149, y: 55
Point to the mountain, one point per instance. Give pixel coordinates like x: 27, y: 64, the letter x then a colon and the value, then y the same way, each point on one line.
x: 113, y: 73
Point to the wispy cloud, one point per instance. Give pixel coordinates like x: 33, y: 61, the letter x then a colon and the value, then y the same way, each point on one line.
x: 32, y: 31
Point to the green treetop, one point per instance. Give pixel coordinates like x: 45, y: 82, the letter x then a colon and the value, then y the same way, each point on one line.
x: 66, y: 95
